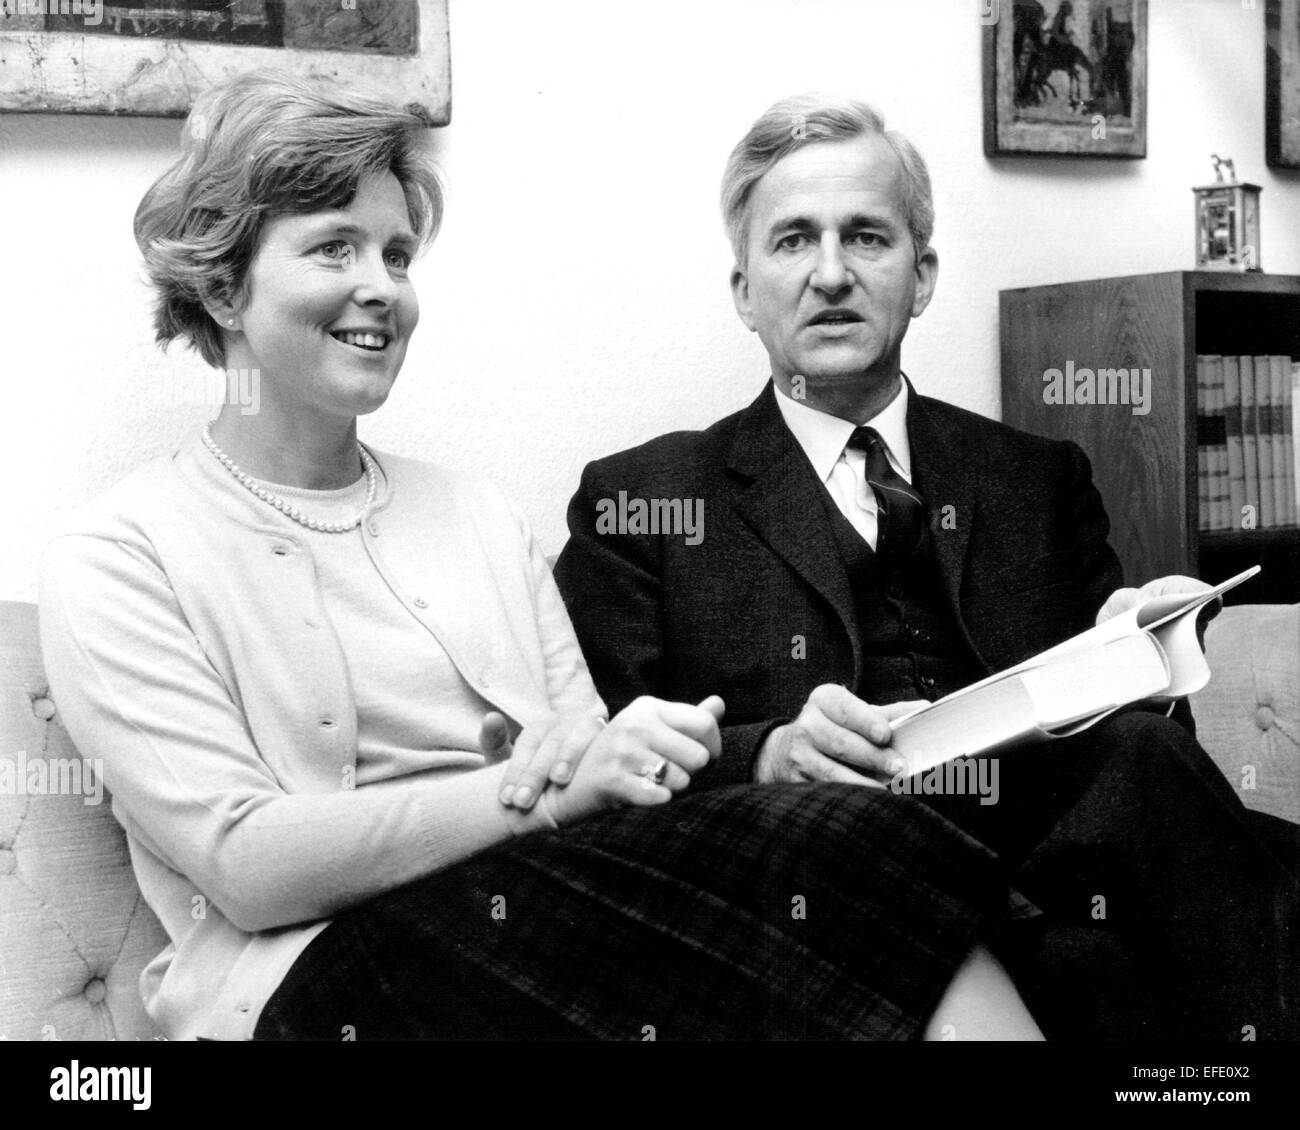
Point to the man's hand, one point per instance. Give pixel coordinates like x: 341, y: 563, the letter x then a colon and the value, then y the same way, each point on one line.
x: 837, y: 737
x: 1121, y: 600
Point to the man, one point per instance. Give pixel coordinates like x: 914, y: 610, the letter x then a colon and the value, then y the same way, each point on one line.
x: 863, y: 547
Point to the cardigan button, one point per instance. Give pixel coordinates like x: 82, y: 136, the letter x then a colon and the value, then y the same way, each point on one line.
x: 420, y: 602
x: 1264, y: 717
x: 95, y: 990
x: 373, y: 527
x: 43, y: 708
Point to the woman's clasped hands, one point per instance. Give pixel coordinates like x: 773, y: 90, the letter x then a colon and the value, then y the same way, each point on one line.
x: 647, y: 752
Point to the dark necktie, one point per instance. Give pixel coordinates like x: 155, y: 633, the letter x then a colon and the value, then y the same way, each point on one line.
x: 901, y: 515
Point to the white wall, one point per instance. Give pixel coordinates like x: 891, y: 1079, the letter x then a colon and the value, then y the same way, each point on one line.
x: 577, y: 300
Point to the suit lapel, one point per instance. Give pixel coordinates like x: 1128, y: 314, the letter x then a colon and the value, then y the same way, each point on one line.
x: 781, y: 500
x: 945, y: 469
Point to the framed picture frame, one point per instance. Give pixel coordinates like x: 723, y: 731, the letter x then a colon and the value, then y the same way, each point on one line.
x: 1282, y: 84
x: 1065, y: 78
x: 150, y: 57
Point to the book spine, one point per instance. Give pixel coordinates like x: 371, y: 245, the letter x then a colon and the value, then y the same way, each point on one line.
x: 1205, y: 519
x: 1267, y: 429
x: 1293, y: 402
x: 1220, y: 501
x: 1250, y: 438
x: 1236, y: 448
x: 1283, y: 483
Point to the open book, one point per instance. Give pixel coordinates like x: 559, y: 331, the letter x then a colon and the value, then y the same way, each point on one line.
x: 1149, y: 651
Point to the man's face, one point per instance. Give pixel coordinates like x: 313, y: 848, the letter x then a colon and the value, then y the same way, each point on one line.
x: 831, y: 280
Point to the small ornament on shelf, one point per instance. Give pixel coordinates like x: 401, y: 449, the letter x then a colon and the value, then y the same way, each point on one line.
x: 1227, y: 222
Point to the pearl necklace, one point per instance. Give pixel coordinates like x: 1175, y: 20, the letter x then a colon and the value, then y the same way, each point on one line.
x: 283, y: 505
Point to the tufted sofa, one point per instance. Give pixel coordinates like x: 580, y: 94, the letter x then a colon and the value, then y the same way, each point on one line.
x: 75, y: 933
x: 74, y: 930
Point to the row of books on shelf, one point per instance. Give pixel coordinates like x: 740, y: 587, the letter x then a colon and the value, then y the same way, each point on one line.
x: 1248, y: 415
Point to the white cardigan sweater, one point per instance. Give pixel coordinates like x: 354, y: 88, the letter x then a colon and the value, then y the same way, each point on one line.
x: 187, y: 647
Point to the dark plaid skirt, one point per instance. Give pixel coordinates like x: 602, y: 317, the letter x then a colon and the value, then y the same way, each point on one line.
x: 756, y: 912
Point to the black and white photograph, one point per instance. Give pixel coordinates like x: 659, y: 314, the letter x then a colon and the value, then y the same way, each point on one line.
x: 717, y: 522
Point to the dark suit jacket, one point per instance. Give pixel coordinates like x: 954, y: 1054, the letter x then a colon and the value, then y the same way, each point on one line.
x: 1022, y: 553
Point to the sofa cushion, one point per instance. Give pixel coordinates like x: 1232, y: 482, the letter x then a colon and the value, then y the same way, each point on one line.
x: 74, y: 930
x: 1248, y: 718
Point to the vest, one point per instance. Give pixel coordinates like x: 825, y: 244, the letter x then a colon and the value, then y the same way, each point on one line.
x: 911, y: 646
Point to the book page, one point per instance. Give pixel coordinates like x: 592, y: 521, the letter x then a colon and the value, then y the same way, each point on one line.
x: 1151, y: 613
x: 1147, y: 616
x: 1161, y: 609
x: 1098, y: 679
x: 933, y: 737
x: 1188, y: 671
x: 1066, y: 695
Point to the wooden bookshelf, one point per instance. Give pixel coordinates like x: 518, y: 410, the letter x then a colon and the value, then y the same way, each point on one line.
x: 1145, y: 465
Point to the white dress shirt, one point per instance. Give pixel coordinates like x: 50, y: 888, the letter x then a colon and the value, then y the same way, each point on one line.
x: 843, y: 471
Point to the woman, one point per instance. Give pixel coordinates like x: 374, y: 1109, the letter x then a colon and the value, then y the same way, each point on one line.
x: 297, y: 657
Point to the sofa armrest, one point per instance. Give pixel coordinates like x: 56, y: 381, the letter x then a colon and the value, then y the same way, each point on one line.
x: 75, y: 932
x: 1248, y: 718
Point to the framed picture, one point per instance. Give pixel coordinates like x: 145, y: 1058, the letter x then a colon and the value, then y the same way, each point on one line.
x: 1282, y: 84
x: 1065, y: 77
x: 150, y: 57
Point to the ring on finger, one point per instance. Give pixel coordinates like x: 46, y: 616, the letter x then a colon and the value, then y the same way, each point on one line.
x: 656, y: 772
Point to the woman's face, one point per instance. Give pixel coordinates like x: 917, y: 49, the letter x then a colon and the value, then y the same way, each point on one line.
x: 330, y: 307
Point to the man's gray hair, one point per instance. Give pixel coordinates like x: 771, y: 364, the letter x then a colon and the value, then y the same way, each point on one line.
x: 804, y: 118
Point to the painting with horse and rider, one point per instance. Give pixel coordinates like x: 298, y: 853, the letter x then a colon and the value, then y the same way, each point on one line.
x: 1065, y: 77
x: 1073, y: 58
